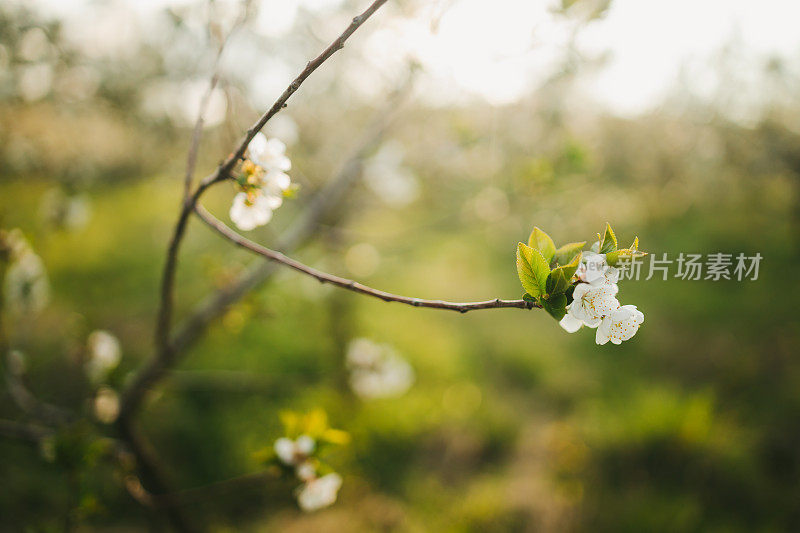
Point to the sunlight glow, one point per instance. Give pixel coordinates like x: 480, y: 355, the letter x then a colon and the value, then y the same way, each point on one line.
x: 501, y: 51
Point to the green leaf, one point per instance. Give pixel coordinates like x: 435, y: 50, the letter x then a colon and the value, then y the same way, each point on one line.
x: 530, y: 299
x: 556, y: 306
x: 608, y: 243
x: 560, y: 278
x: 532, y: 270
x: 565, y: 254
x: 541, y: 241
x: 612, y: 258
x: 568, y: 293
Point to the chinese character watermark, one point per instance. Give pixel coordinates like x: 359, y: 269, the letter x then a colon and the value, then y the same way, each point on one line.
x: 716, y: 266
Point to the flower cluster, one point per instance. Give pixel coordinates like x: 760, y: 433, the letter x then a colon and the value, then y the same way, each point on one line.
x: 26, y: 289
x: 377, y: 370
x: 594, y: 302
x: 262, y: 183
x: 580, y: 288
x: 298, y: 454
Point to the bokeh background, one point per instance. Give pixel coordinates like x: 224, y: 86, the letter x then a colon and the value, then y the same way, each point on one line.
x: 678, y: 122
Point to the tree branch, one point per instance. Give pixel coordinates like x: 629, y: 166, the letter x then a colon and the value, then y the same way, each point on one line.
x: 134, y: 394
x: 323, y: 277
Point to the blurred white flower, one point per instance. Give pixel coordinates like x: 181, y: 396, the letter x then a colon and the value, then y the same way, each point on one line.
x: 249, y: 214
x: 104, y: 355
x: 263, y: 183
x: 305, y: 471
x: 319, y: 493
x: 273, y: 184
x: 106, y: 405
x: 269, y: 154
x: 27, y: 289
x: 620, y: 325
x: 377, y: 371
x: 294, y: 452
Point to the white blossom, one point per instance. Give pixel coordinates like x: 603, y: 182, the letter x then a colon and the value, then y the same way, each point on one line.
x: 104, y: 355
x: 294, y: 452
x: 570, y: 323
x: 273, y: 185
x: 248, y: 214
x: 594, y: 301
x: 27, y: 289
x: 620, y: 325
x: 106, y: 405
x: 269, y: 154
x: 319, y: 493
x: 589, y: 305
x: 594, y: 269
x: 377, y: 370
x: 254, y: 208
x: 305, y: 471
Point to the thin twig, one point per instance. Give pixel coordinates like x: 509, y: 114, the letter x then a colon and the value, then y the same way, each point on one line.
x: 324, y: 277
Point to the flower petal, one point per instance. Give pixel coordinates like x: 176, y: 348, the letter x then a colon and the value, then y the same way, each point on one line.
x: 570, y: 323
x: 305, y: 444
x: 284, y: 449
x: 278, y: 180
x: 274, y: 201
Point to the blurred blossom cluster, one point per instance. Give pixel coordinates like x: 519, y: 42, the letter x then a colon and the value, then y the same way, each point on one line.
x: 26, y: 289
x: 377, y: 370
x: 300, y: 454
